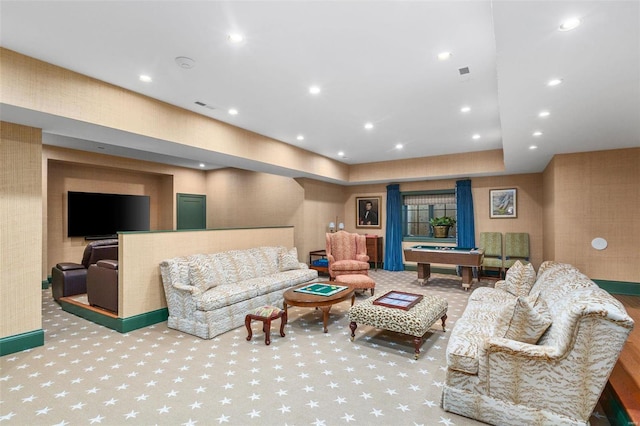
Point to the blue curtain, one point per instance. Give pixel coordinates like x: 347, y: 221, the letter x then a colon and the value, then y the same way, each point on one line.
x: 393, y: 245
x: 464, y: 206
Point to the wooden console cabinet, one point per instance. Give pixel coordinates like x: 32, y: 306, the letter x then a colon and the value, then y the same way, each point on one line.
x: 374, y: 250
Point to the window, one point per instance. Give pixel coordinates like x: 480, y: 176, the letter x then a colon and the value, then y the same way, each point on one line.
x: 418, y: 209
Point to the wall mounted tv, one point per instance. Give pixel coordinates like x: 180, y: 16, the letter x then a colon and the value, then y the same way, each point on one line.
x: 91, y: 214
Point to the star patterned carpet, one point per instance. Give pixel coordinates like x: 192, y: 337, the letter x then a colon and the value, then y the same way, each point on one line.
x: 87, y: 374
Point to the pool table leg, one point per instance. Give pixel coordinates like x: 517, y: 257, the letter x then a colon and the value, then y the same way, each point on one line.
x: 467, y: 277
x: 424, y: 272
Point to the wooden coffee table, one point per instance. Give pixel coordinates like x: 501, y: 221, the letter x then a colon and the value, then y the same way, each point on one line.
x: 293, y: 298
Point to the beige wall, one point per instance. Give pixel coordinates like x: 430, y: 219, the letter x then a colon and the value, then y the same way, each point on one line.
x: 20, y: 229
x: 596, y: 194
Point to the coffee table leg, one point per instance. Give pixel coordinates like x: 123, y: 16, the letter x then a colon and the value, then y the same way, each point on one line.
x: 444, y: 318
x: 283, y: 321
x: 417, y: 341
x: 325, y: 316
x: 353, y: 327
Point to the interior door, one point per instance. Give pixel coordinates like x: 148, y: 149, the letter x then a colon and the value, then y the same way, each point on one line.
x: 192, y: 211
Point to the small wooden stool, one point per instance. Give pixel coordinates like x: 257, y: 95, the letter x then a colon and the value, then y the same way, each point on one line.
x: 266, y: 314
x: 357, y: 281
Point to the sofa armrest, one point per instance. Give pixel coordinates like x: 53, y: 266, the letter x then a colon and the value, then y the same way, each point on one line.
x: 193, y: 290
x: 69, y: 266
x: 362, y: 257
x: 515, y: 348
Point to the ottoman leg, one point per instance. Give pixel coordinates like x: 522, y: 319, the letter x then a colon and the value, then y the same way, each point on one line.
x: 417, y: 341
x: 353, y: 327
x: 283, y: 321
x: 247, y: 323
x: 444, y: 318
x: 267, y: 331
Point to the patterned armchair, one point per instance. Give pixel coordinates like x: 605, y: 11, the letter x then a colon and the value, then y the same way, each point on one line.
x: 516, y: 248
x: 491, y: 242
x: 347, y: 254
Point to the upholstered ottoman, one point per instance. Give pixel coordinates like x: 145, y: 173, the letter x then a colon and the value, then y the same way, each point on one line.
x: 414, y: 322
x: 266, y: 314
x: 357, y: 281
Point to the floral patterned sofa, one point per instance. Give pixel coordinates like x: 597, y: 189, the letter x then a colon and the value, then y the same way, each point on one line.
x: 209, y: 294
x: 534, y: 350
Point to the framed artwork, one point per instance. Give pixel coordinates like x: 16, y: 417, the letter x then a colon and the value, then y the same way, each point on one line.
x: 502, y: 203
x: 368, y: 212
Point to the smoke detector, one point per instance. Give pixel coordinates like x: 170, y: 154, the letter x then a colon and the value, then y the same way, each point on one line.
x: 185, y: 63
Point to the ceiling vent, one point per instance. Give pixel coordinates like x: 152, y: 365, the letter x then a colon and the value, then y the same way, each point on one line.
x: 464, y: 70
x: 202, y: 104
x: 185, y: 63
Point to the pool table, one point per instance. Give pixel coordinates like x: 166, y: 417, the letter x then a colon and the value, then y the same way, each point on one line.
x: 466, y: 258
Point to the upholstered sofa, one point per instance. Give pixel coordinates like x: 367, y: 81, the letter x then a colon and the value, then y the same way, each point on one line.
x: 209, y: 294
x: 534, y: 350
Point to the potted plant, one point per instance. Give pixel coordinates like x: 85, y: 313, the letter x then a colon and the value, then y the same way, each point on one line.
x: 441, y: 225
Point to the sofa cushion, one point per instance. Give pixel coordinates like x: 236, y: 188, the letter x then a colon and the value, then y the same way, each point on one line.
x: 519, y: 279
x: 206, y: 271
x: 288, y: 260
x: 526, y: 322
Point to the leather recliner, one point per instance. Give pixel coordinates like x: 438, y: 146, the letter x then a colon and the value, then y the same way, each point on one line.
x: 102, y: 285
x: 68, y: 279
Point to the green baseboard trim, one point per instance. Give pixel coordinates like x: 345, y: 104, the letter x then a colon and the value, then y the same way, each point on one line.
x: 615, y: 412
x: 619, y: 287
x: 21, y: 342
x: 121, y: 325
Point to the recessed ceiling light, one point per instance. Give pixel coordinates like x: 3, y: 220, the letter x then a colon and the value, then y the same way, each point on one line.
x: 368, y: 126
x: 569, y: 24
x: 443, y: 56
x: 476, y: 136
x: 544, y: 114
x: 314, y: 90
x: 300, y: 137
x: 201, y: 164
x: 399, y: 146
x: 185, y: 63
x: 341, y: 154
x: 554, y: 82
x: 537, y: 133
x: 145, y: 78
x: 532, y: 147
x: 465, y: 109
x: 236, y: 37
x: 233, y: 111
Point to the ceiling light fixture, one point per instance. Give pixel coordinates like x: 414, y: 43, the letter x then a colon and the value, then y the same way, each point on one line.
x: 368, y: 126
x: 201, y: 164
x: 543, y: 114
x: 233, y: 111
x: 443, y: 56
x: 475, y: 137
x: 300, y: 137
x: 532, y: 147
x: 314, y: 90
x: 145, y: 78
x: 341, y: 153
x: 235, y: 37
x: 537, y: 133
x: 465, y: 109
x: 554, y: 82
x: 399, y: 146
x: 569, y: 24
x: 185, y: 63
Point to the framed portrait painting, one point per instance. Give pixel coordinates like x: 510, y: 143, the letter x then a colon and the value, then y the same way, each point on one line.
x: 368, y: 212
x: 502, y: 203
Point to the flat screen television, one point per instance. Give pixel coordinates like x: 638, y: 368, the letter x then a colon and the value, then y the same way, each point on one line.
x: 91, y: 214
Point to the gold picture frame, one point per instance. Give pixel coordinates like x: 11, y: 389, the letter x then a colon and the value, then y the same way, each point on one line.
x: 368, y: 214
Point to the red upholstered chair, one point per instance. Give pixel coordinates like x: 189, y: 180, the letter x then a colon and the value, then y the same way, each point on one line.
x: 347, y: 254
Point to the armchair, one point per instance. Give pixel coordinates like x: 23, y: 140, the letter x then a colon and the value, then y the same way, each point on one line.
x: 69, y: 278
x: 102, y: 285
x: 347, y: 254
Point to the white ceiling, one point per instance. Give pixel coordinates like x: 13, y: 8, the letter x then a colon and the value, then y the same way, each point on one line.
x: 375, y: 61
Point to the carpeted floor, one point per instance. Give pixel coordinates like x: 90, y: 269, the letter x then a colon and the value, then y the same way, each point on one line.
x: 87, y: 374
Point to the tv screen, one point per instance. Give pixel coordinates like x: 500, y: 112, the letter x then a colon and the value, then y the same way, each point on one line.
x: 91, y: 214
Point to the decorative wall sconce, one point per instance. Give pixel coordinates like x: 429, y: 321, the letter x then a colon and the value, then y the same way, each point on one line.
x: 332, y: 226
